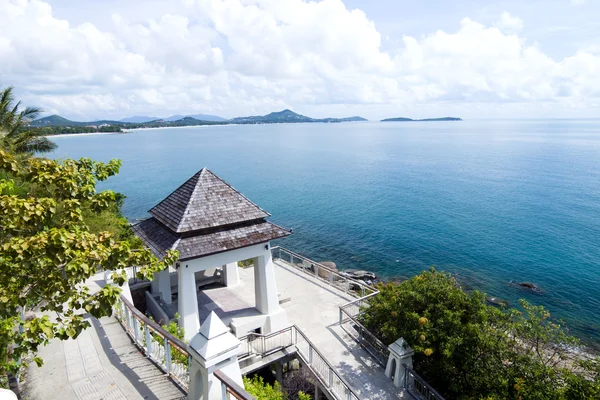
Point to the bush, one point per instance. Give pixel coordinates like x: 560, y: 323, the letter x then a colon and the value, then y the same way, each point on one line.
x: 467, y: 349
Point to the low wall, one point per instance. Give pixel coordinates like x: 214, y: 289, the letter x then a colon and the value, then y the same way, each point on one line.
x: 155, y: 310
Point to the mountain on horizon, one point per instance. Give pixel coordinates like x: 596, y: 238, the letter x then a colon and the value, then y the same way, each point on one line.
x: 278, y: 117
x: 199, y: 117
x: 287, y: 116
x: 57, y: 120
x: 139, y: 119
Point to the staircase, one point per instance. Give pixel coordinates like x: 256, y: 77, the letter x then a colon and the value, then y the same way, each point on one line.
x: 262, y: 350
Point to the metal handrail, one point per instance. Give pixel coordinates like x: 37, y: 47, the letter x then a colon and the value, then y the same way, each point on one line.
x: 316, y: 362
x: 168, y: 352
x: 358, y: 303
x: 368, y: 341
x: 231, y: 389
x: 312, y: 267
x: 417, y: 387
x: 265, y: 348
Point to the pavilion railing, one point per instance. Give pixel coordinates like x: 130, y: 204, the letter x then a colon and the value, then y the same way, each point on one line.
x: 322, y: 273
x: 166, y: 351
x: 321, y: 369
x: 417, y: 387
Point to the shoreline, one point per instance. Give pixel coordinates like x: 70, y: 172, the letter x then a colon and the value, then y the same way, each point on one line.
x: 125, y: 130
x: 84, y: 134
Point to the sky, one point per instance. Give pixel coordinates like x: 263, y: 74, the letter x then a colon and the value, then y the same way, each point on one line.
x: 109, y: 59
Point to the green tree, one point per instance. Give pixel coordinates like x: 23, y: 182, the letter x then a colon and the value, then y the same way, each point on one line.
x: 47, y: 251
x: 467, y: 349
x: 14, y: 132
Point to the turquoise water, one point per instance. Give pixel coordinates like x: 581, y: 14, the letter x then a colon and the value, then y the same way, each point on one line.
x: 491, y: 201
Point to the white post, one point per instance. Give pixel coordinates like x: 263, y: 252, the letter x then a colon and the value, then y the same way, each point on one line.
x: 188, y: 302
x: 400, y: 353
x: 231, y: 275
x: 212, y: 348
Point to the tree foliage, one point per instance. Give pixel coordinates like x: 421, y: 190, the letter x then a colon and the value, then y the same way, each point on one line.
x: 467, y: 349
x: 14, y: 132
x: 48, y: 251
x: 257, y: 387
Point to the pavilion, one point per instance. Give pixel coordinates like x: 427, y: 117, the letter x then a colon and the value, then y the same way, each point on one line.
x: 213, y: 226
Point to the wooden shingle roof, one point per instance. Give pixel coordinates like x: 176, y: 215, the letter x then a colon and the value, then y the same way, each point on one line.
x: 205, y: 216
x: 205, y: 201
x: 159, y: 239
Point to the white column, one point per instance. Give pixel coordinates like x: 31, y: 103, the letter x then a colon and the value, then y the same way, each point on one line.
x: 188, y: 302
x: 265, y: 287
x: 164, y: 285
x: 154, y: 284
x: 230, y: 272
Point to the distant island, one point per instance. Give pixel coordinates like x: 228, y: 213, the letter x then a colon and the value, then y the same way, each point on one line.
x: 288, y: 116
x: 55, y: 124
x: 402, y: 119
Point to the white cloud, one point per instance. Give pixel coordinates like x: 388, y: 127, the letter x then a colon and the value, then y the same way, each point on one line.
x: 509, y: 23
x: 239, y: 57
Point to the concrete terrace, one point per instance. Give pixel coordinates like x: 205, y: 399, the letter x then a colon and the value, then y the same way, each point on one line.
x: 103, y: 363
x: 312, y: 305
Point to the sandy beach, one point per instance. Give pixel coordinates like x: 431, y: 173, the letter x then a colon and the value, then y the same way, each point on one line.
x: 85, y: 134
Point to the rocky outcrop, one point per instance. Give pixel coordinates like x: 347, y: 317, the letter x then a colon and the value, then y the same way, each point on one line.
x: 329, y: 265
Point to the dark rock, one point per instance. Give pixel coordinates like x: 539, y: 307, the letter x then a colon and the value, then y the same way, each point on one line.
x: 494, y: 301
x: 529, y: 285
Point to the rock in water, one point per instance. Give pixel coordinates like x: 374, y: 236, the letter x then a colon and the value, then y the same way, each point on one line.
x: 529, y: 285
x: 328, y: 264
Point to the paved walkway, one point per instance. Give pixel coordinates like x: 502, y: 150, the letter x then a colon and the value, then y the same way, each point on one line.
x: 101, y: 364
x: 313, y: 306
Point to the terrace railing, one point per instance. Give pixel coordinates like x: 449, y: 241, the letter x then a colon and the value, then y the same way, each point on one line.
x: 322, y: 273
x: 166, y: 351
x: 321, y: 369
x: 349, y: 311
x: 349, y: 314
x: 417, y: 387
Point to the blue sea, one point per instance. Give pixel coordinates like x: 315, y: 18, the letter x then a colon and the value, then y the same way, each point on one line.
x: 490, y: 201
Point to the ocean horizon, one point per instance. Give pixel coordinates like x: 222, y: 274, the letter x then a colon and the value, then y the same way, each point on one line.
x: 492, y: 201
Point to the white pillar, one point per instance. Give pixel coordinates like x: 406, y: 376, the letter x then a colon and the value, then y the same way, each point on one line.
x: 266, y: 295
x: 154, y: 284
x: 188, y: 302
x: 212, y: 348
x: 231, y: 274
x: 265, y: 287
x: 164, y: 285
